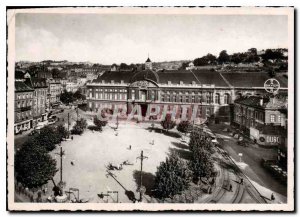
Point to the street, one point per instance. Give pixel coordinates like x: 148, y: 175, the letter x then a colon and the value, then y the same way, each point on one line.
x: 252, y: 156
x: 63, y: 119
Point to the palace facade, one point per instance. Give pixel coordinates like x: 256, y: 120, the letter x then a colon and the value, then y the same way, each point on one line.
x: 212, y: 91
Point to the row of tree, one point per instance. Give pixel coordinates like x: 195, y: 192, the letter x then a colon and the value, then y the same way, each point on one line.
x: 251, y: 56
x: 175, y: 175
x: 34, y: 166
x: 68, y: 97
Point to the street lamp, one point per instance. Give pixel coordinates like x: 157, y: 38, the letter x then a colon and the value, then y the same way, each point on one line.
x: 61, y: 154
x: 141, y: 189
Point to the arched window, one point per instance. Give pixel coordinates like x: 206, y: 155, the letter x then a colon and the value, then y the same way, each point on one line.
x: 226, y: 98
x: 217, y: 98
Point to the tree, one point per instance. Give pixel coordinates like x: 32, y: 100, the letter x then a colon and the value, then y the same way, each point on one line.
x: 82, y: 123
x: 46, y: 138
x: 201, y: 164
x: 55, y: 73
x: 78, y: 95
x: 184, y: 126
x: 66, y: 97
x: 79, y: 127
x: 253, y: 51
x: 62, y: 132
x: 200, y: 62
x: 100, y: 123
x: 272, y: 55
x: 198, y: 139
x: 223, y: 57
x: 236, y: 58
x: 168, y: 123
x: 34, y: 166
x: 211, y: 59
x: 184, y: 65
x: 172, y: 177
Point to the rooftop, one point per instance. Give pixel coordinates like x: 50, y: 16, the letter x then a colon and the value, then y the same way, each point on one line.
x: 200, y: 77
x: 20, y: 86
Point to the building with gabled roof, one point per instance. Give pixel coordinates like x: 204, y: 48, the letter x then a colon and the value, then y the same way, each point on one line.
x: 264, y: 119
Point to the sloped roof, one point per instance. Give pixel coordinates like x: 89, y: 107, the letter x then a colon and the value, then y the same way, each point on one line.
x: 252, y: 101
x: 117, y: 76
x: 19, y: 74
x: 204, y: 77
x: 20, y: 86
x: 251, y: 79
x: 145, y: 74
x: 268, y: 103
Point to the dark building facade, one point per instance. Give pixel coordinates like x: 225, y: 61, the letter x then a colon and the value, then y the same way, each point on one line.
x: 264, y: 119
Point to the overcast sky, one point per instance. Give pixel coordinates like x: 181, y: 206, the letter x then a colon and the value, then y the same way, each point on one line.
x: 111, y: 39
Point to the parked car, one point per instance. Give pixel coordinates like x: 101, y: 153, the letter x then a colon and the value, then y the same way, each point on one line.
x: 243, y: 143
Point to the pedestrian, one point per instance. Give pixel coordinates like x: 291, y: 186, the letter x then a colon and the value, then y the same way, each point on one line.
x: 272, y: 197
x: 230, y: 187
x: 129, y: 147
x: 72, y: 137
x: 242, y: 181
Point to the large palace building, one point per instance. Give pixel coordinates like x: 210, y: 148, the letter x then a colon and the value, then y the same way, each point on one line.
x: 212, y: 91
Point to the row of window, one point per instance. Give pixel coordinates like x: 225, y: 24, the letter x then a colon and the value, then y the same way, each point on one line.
x: 273, y: 118
x: 109, y: 96
x: 164, y: 96
x: 24, y: 103
x: 24, y: 115
x: 108, y: 90
x: 41, y: 92
x: 250, y: 113
x: 24, y: 96
x: 97, y: 105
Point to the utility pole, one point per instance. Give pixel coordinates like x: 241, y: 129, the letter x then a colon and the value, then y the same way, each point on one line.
x: 77, y: 113
x: 142, y: 157
x: 117, y: 121
x: 68, y: 122
x: 61, y: 154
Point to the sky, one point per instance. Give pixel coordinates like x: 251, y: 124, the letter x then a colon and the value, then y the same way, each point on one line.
x: 114, y: 38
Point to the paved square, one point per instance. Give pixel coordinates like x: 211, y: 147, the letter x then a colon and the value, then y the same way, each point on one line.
x: 93, y: 151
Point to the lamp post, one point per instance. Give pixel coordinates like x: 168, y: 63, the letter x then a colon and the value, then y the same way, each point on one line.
x: 141, y: 157
x: 61, y: 154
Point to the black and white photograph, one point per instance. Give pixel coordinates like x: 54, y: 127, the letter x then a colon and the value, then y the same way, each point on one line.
x: 150, y: 109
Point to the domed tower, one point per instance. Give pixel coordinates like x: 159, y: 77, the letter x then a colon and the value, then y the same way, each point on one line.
x: 148, y: 64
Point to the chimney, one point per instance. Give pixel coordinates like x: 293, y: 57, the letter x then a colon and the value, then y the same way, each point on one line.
x: 122, y: 81
x: 169, y: 82
x: 112, y: 81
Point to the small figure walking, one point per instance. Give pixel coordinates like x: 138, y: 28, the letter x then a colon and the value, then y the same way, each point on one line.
x: 272, y: 197
x: 129, y: 147
x: 230, y: 187
x: 242, y: 181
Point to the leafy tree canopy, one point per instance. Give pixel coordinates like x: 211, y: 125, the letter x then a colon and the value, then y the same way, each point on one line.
x: 34, y: 166
x: 172, y: 177
x: 168, y: 123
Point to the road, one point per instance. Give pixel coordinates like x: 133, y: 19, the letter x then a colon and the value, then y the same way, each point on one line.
x: 63, y: 119
x: 252, y: 156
